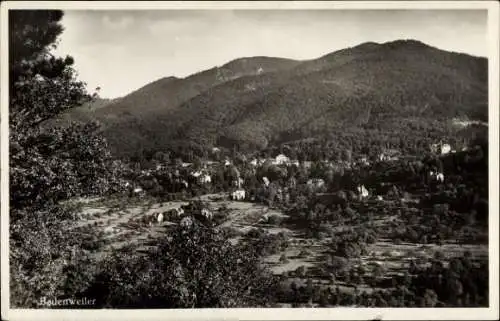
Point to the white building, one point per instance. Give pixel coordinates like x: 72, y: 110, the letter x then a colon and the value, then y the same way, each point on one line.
x: 238, y: 195
x: 179, y: 211
x: 196, y: 174
x: 281, y: 160
x: 440, y: 148
x: 203, y: 178
x: 364, y: 161
x: 206, y: 179
x: 316, y: 182
x: 445, y: 149
x: 437, y: 176
x: 363, y: 192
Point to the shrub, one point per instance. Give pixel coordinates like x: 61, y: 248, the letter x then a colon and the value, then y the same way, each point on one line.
x: 197, y: 267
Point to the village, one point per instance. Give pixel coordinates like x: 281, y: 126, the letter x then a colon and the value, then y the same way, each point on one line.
x: 380, y: 226
x: 318, y: 174
x: 203, y: 174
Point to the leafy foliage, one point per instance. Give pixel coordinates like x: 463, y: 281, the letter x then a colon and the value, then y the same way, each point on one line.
x: 45, y: 260
x: 195, y: 267
x: 47, y: 165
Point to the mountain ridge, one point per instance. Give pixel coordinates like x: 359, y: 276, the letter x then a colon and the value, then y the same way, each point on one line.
x: 254, y: 100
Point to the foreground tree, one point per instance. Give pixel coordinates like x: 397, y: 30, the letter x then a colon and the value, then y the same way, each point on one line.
x: 47, y: 164
x: 196, y: 268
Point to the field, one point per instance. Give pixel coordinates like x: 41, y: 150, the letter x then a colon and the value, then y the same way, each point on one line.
x: 304, y: 259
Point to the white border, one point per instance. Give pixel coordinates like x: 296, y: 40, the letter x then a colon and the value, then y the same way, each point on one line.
x: 490, y: 313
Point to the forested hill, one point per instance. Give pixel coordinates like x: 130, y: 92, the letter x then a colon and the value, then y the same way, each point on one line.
x: 168, y: 93
x: 257, y: 102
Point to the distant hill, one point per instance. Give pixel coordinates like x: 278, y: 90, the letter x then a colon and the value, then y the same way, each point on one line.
x: 168, y: 93
x: 258, y: 101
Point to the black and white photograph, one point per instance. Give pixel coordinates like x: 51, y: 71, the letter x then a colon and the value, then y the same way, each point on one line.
x: 224, y: 159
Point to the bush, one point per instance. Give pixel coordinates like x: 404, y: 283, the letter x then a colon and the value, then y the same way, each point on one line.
x: 197, y: 267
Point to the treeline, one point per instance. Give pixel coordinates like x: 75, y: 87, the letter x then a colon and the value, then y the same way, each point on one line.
x: 412, y: 136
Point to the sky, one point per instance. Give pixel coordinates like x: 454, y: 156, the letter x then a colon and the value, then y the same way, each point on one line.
x: 123, y: 50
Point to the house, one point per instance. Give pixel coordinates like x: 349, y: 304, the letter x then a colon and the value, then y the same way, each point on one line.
x: 363, y: 192
x: 179, y: 211
x: 196, y: 174
x: 437, y: 176
x: 160, y: 167
x: 266, y: 181
x: 445, y: 149
x: 258, y: 162
x: 238, y: 195
x: 281, y: 160
x: 440, y: 148
x: 202, y: 178
x: 364, y: 161
x: 389, y: 155
x: 206, y: 179
x: 316, y: 182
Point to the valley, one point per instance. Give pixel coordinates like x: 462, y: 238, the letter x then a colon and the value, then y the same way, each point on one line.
x: 361, y: 251
x: 358, y: 177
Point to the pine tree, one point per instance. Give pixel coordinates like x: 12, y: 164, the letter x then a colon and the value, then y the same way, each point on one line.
x: 47, y: 164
